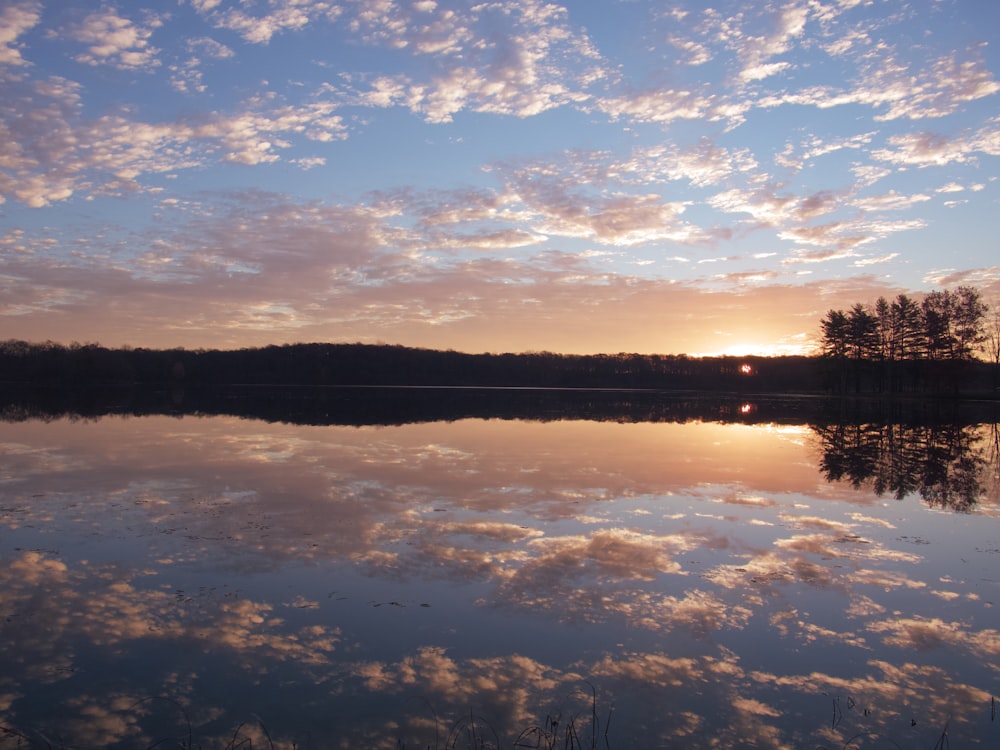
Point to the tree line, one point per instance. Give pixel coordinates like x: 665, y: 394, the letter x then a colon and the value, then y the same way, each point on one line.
x: 319, y: 364
x: 908, y: 345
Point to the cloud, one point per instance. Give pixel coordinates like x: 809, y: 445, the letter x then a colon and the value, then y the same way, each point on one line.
x: 16, y: 19
x: 700, y: 164
x: 116, y: 41
x: 52, y: 152
x: 804, y: 154
x: 518, y: 59
x: 902, y: 89
x: 927, y: 149
x: 987, y: 278
x: 661, y: 106
x: 697, y: 53
x: 891, y: 201
x: 562, y: 204
x: 284, y: 15
x: 862, y: 262
x: 187, y: 76
x: 521, y: 74
x: 393, y: 264
x: 763, y: 203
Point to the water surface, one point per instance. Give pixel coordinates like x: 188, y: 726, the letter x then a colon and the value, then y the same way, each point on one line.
x: 213, y: 579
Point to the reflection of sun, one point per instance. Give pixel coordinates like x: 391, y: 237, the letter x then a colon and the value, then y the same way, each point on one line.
x: 746, y: 369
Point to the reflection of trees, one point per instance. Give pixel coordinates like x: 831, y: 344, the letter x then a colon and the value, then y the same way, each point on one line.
x: 403, y: 405
x: 993, y: 460
x: 946, y: 463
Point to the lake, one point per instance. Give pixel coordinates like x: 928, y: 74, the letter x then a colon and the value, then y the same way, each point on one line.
x: 756, y: 578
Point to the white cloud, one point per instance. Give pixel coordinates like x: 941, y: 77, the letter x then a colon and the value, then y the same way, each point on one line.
x: 702, y: 164
x: 49, y: 152
x: 187, y: 76
x: 891, y: 201
x: 15, y: 20
x: 310, y: 162
x: 763, y: 70
x: 116, y: 41
x: 900, y: 91
x: 514, y: 58
x: 951, y: 187
x: 925, y: 149
x: 283, y: 15
x: 862, y: 262
x: 210, y: 47
x: 656, y: 105
x: 756, y: 51
x: 799, y: 156
x: 697, y: 53
x: 385, y: 91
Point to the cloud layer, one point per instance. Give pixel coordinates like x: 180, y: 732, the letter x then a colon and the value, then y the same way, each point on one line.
x: 487, y: 176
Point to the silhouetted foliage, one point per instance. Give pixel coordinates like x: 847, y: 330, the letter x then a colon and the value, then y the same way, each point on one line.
x: 360, y: 364
x: 902, y: 346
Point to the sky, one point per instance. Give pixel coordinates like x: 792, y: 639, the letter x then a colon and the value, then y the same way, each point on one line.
x: 599, y: 176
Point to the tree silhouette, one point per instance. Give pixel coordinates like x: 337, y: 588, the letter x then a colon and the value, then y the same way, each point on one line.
x: 896, y: 345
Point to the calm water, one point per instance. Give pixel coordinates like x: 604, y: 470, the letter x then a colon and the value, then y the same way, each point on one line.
x: 213, y: 580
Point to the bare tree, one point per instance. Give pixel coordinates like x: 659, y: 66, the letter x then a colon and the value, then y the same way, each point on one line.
x: 968, y: 316
x: 991, y: 343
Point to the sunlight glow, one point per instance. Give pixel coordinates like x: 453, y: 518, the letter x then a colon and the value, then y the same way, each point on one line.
x: 757, y: 350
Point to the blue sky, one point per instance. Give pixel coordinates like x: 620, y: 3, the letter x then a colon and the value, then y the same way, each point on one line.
x: 589, y: 177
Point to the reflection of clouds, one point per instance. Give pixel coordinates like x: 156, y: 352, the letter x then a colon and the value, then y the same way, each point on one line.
x: 539, y: 588
x: 619, y: 553
x: 599, y: 525
x: 651, y: 668
x: 705, y: 700
x: 750, y: 500
x: 56, y: 616
x: 581, y: 577
x: 864, y: 606
x: 50, y: 606
x: 510, y: 688
x: 885, y: 579
x: 925, y: 633
x: 814, y: 522
x: 889, y: 696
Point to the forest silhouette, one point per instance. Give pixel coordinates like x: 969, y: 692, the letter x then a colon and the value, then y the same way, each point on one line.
x: 51, y: 364
x: 909, y: 346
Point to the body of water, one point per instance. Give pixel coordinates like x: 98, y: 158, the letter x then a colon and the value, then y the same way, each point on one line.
x: 211, y: 581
